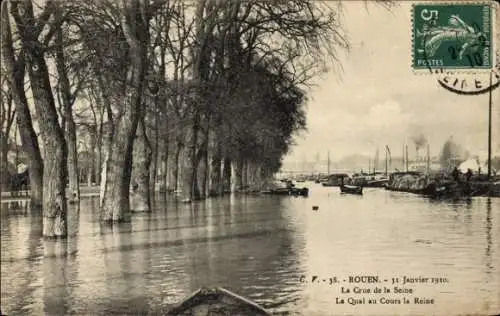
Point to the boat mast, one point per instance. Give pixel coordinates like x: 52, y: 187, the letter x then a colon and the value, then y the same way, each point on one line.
x: 403, y: 156
x: 428, y: 159
x: 328, y: 165
x: 406, y: 147
x: 489, y: 128
x: 386, y: 161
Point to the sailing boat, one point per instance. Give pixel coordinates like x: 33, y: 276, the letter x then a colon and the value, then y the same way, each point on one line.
x: 376, y: 179
x: 334, y: 179
x: 350, y: 189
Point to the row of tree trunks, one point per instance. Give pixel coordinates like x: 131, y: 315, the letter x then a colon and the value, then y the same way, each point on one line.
x: 29, y: 141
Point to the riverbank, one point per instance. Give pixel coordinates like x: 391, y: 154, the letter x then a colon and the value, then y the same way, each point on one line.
x: 441, y: 185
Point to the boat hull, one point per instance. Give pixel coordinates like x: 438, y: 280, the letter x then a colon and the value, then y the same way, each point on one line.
x: 288, y: 191
x: 217, y: 302
x: 348, y: 189
x: 376, y: 184
x: 445, y: 191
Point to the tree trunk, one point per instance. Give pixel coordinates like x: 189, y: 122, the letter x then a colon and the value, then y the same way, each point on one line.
x: 249, y: 170
x: 165, y: 162
x: 253, y: 176
x: 74, y: 178
x: 29, y: 142
x: 215, y: 174
x: 7, y: 115
x: 238, y: 175
x: 93, y: 173
x: 116, y: 202
x: 107, y: 139
x: 244, y: 175
x: 174, y: 167
x: 55, y: 150
x: 142, y: 163
x: 64, y: 86
x: 203, y: 171
x: 118, y: 166
x: 226, y: 175
x: 189, y: 162
x: 154, y: 172
x: 4, y: 164
x: 196, y: 179
x: 99, y: 153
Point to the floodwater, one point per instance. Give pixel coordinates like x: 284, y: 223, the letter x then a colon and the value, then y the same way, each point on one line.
x: 266, y: 248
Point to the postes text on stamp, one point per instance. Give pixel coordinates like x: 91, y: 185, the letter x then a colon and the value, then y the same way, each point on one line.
x: 452, y: 36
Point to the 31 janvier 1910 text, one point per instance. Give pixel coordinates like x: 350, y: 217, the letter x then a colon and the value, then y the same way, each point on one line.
x: 372, y: 279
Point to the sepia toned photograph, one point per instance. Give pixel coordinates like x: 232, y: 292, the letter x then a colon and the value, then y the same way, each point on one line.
x: 250, y: 157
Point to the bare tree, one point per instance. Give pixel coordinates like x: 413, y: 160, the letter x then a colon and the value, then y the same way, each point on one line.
x: 15, y: 71
x: 67, y: 100
x: 54, y: 144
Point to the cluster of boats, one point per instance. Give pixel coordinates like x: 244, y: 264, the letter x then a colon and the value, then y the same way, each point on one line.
x: 346, y: 184
x: 375, y: 180
x: 433, y: 186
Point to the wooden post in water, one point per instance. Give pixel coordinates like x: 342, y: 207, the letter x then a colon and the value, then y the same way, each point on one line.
x: 489, y: 127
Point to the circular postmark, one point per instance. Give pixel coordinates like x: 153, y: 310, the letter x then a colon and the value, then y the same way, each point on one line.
x: 454, y: 43
x: 471, y: 84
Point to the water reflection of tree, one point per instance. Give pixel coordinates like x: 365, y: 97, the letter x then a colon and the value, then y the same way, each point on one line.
x: 56, y: 296
x: 258, y: 261
x: 24, y: 287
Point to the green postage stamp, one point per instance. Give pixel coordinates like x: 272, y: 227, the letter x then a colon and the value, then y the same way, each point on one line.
x: 452, y: 36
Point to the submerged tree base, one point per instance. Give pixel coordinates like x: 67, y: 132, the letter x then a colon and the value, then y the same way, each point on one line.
x: 54, y: 227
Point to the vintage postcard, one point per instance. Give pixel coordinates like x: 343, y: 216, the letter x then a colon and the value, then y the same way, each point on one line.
x: 250, y: 157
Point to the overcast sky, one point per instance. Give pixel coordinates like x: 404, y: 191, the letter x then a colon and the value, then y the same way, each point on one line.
x: 379, y: 100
